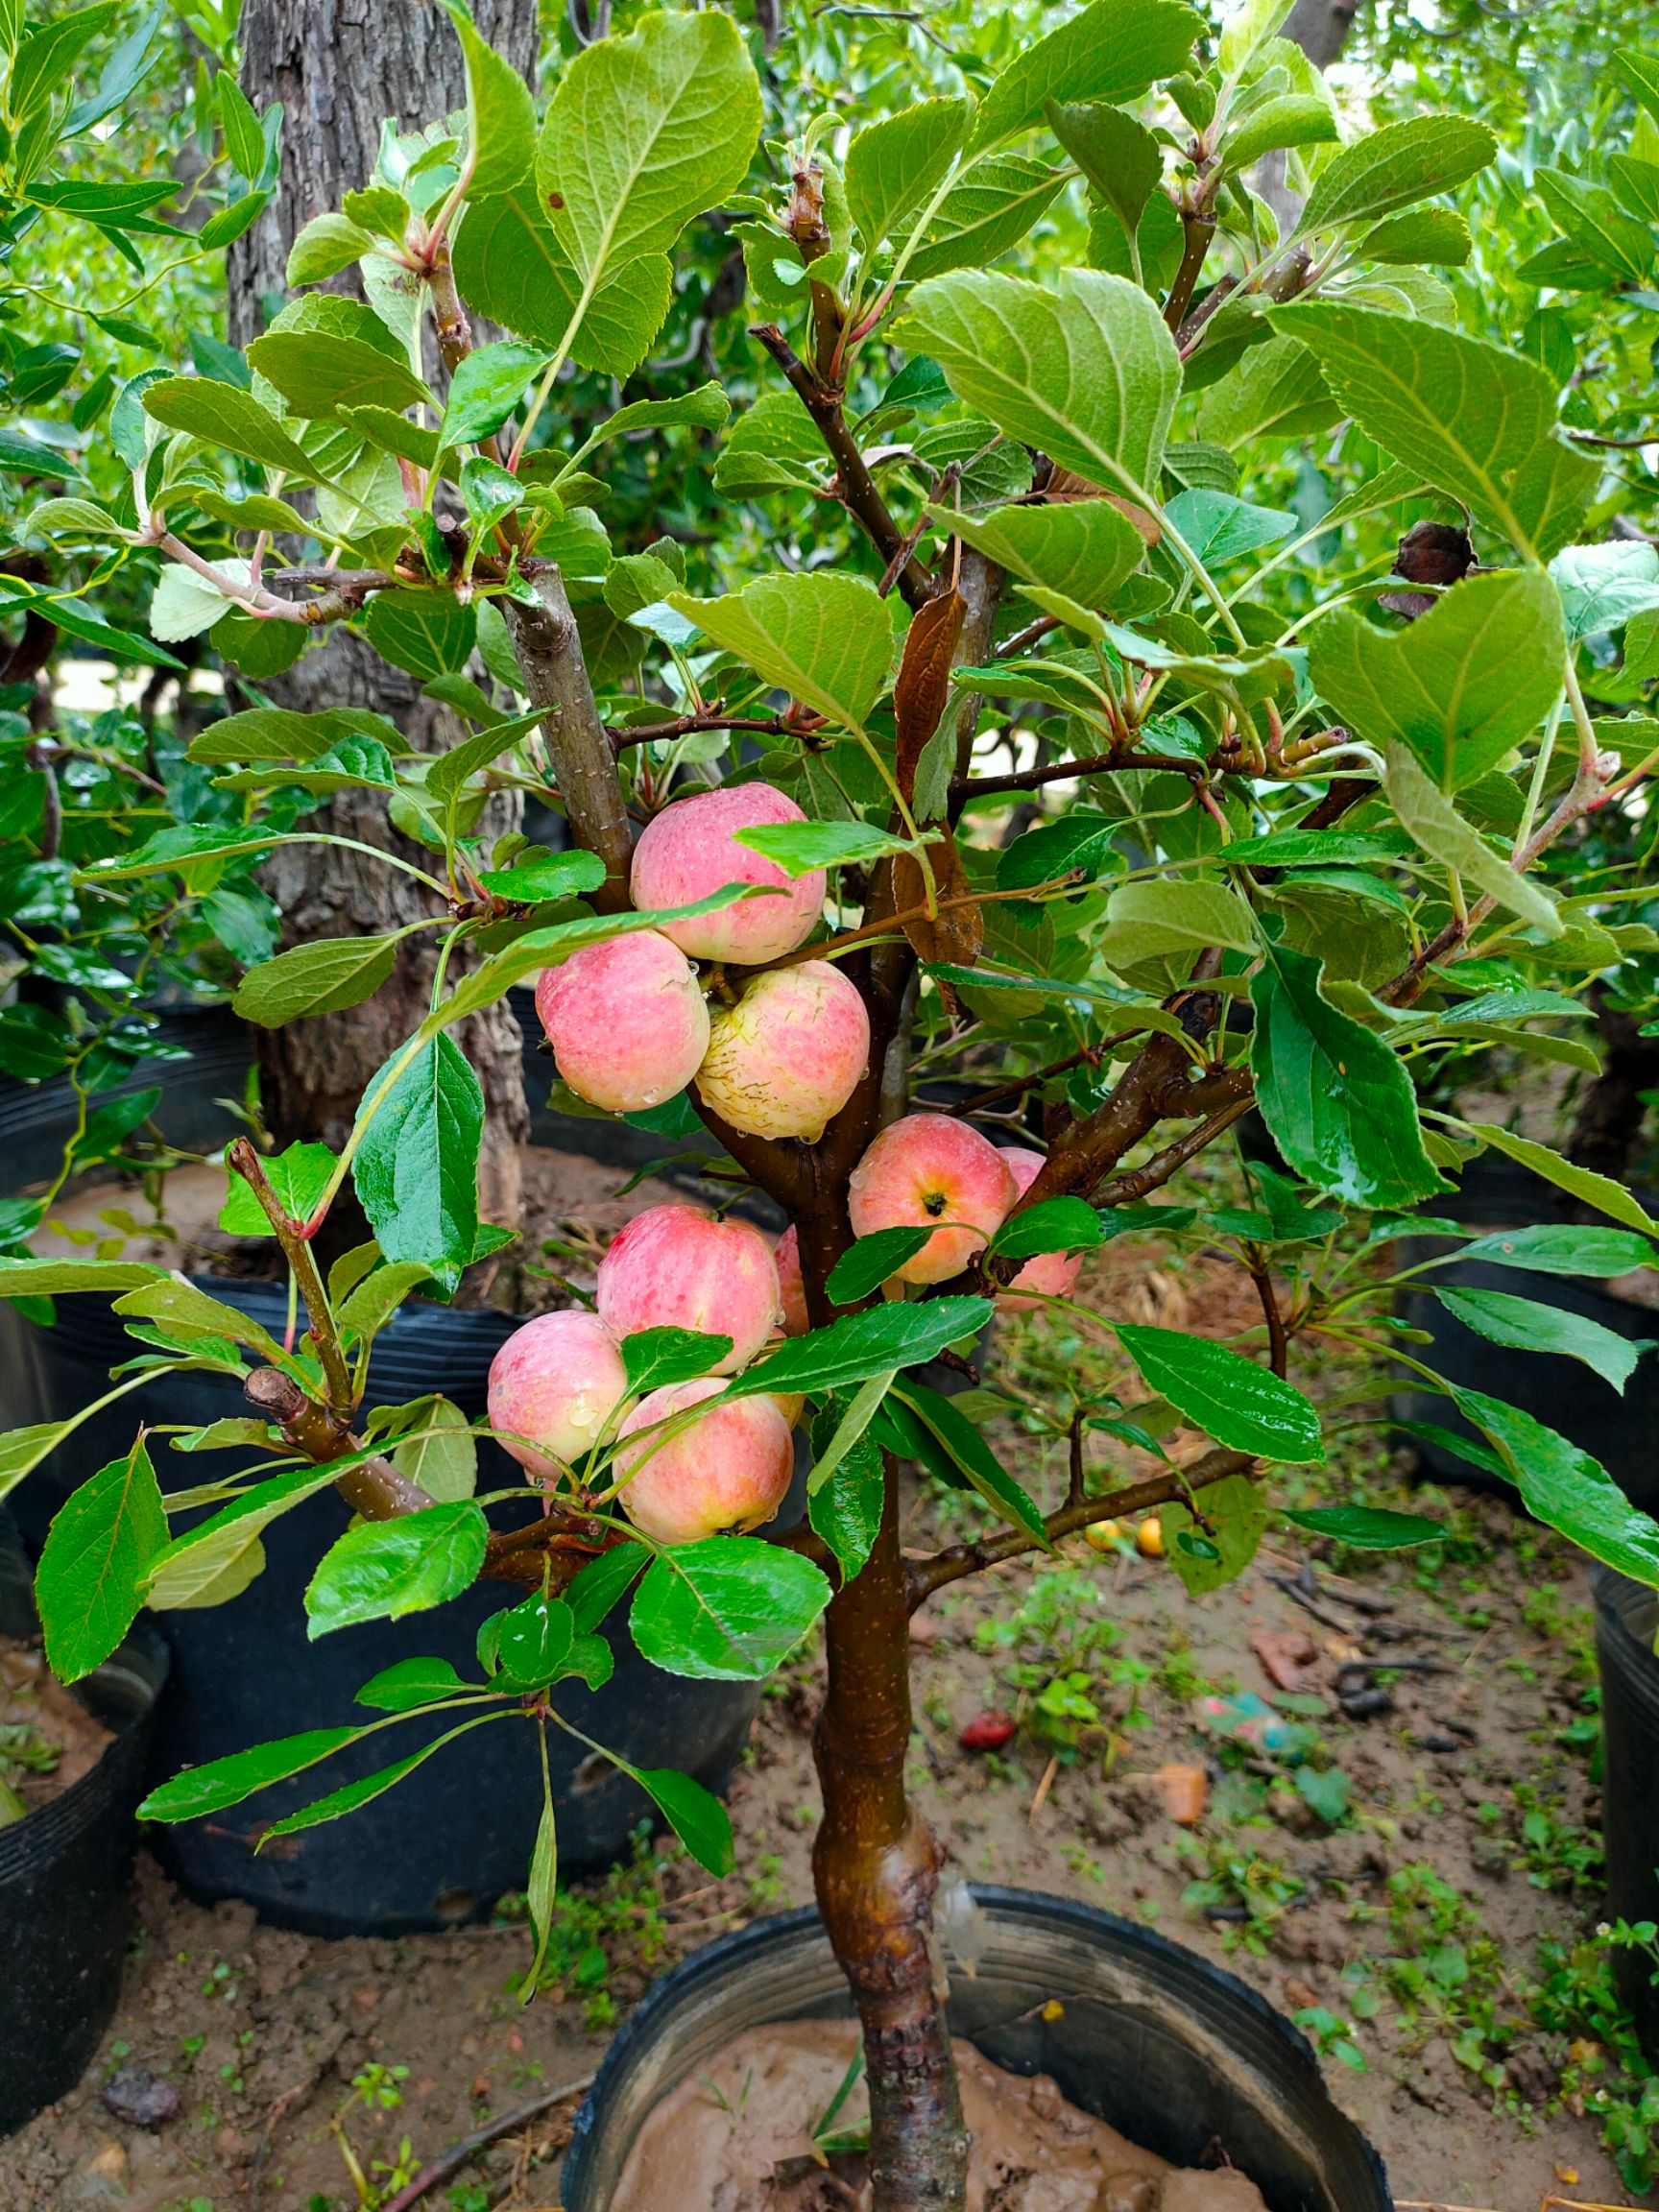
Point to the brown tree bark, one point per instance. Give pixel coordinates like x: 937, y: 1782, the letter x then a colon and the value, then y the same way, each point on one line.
x: 1321, y: 28
x: 338, y: 68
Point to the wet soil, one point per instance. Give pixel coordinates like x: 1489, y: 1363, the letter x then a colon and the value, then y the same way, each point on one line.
x: 48, y: 1740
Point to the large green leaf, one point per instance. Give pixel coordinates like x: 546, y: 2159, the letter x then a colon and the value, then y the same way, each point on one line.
x: 895, y: 166
x: 1164, y: 918
x: 1460, y: 686
x: 487, y: 386
x: 963, y: 1444
x: 222, y: 1782
x: 1526, y: 1326
x: 203, y: 1556
x: 1478, y: 421
x: 1119, y: 157
x: 1566, y: 1488
x: 729, y: 1610
x: 1082, y: 547
x: 1336, y: 1098
x: 1113, y: 50
x: 1602, y: 587
x: 381, y: 1570
x: 1368, y: 1528
x: 644, y: 133
x: 1235, y: 1514
x: 500, y: 112
x: 1083, y: 369
x: 823, y: 638
x: 89, y: 1583
x: 987, y: 210
x: 223, y: 415
x: 322, y: 977
x: 416, y: 1164
x: 1397, y: 166
x: 60, y: 1277
x: 510, y: 267
x: 319, y: 372
x: 350, y: 1796
x: 695, y: 1814
x: 1442, y: 832
x: 864, y: 1344
x: 1583, y: 1183
x: 1562, y: 1249
x: 1241, y: 1404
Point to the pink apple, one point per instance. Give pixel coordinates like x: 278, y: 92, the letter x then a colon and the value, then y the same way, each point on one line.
x: 676, y: 1267
x: 553, y: 1385
x: 929, y: 1168
x: 789, y: 1054
x: 687, y: 852
x: 626, y: 1020
x: 1054, y: 1274
x: 788, y: 1256
x: 725, y: 1471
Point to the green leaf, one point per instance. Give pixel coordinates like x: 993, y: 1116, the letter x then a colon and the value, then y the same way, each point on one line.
x: 381, y: 1570
x: 1051, y: 1225
x: 1397, y: 166
x: 299, y: 1176
x: 1119, y: 157
x: 894, y: 167
x: 416, y: 1164
x: 695, y: 1814
x: 1435, y: 236
x: 22, y: 1450
x: 800, y: 846
x: 487, y: 387
x: 1566, y: 1488
x: 706, y: 408
x: 429, y: 632
x: 1530, y: 1326
x: 183, y: 604
x: 366, y: 1311
x: 1366, y: 1528
x: 319, y: 372
x: 1083, y: 547
x: 223, y: 1781
x: 1161, y: 919
x: 533, y: 1641
x: 989, y: 210
x: 435, y: 1447
x: 1241, y: 1404
x: 192, y: 1563
x: 1219, y: 527
x: 864, y: 1344
x: 1113, y: 51
x: 1442, y: 832
x: 599, y: 1585
x: 727, y: 1609
x: 1620, y: 243
x: 1476, y: 421
x: 1083, y: 369
x: 847, y: 1487
x: 411, y: 1683
x: 89, y: 1584
x: 1236, y: 1514
x: 1336, y: 1098
x: 1561, y: 1249
x: 510, y: 267
x: 487, y: 492
x: 561, y: 875
x: 1598, y: 1190
x: 865, y: 1266
x: 351, y: 1797
x: 965, y: 1447
x: 1288, y: 119
x: 62, y: 1277
x: 643, y: 133
x: 654, y: 1358
x: 1601, y: 587
x: 1460, y: 686
x: 500, y: 112
x: 822, y: 636
x: 328, y: 244
x: 322, y: 977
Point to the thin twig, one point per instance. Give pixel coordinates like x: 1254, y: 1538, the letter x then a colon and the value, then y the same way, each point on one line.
x: 468, y: 2148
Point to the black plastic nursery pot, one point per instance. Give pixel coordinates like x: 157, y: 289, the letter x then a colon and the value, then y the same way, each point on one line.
x: 66, y: 1877
x: 1178, y: 2055
x: 1622, y: 1432
x: 1627, y: 1627
x: 443, y: 1845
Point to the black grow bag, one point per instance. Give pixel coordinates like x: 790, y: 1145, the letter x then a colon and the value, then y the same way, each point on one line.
x: 1622, y: 1432
x: 66, y: 1876
x: 446, y: 1844
x: 1178, y: 2055
x: 1626, y: 1624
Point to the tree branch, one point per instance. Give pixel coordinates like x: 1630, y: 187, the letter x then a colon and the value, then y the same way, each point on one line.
x: 705, y: 718
x: 856, y: 487
x: 549, y: 650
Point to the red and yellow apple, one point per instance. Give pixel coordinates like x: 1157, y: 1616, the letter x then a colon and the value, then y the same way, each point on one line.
x: 929, y: 1167
x: 787, y: 1255
x: 627, y: 1021
x: 687, y: 852
x: 552, y: 1386
x: 724, y: 1472
x: 787, y: 1057
x: 1051, y: 1274
x: 675, y: 1266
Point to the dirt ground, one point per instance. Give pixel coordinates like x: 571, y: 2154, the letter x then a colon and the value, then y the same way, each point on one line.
x: 1388, y: 1870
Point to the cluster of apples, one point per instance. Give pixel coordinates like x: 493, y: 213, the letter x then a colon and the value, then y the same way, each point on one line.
x: 559, y: 1386
x: 628, y: 1022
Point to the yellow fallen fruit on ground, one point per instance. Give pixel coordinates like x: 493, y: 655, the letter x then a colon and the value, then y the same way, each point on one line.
x: 1150, y: 1538
x: 1103, y: 1535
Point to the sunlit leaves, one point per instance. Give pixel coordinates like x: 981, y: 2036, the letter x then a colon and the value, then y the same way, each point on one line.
x: 825, y: 638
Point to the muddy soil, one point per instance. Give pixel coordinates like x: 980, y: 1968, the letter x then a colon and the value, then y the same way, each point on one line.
x: 48, y: 1740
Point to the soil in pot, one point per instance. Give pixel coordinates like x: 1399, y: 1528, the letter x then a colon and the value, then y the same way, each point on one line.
x: 48, y: 1739
x: 748, y: 2134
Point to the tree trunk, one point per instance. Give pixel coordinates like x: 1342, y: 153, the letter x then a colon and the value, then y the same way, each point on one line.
x: 338, y: 67
x: 1321, y: 28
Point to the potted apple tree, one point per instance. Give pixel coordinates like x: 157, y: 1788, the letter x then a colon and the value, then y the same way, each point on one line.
x: 1263, y: 861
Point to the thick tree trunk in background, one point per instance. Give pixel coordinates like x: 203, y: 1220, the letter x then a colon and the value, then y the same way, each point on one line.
x: 1321, y: 28
x: 338, y: 67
